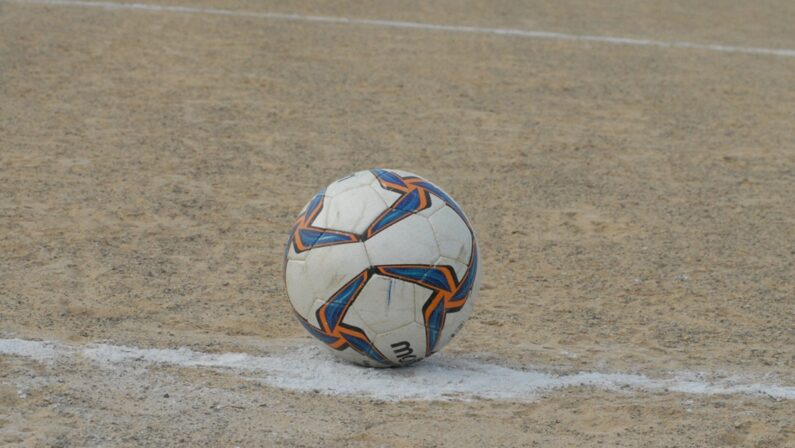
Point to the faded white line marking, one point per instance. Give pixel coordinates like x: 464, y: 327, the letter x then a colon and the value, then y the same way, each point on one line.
x: 443, y: 377
x: 615, y: 40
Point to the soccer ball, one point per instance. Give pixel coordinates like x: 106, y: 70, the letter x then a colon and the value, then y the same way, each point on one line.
x: 382, y: 267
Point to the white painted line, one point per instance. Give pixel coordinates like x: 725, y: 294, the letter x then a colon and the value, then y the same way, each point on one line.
x: 783, y: 52
x: 442, y: 377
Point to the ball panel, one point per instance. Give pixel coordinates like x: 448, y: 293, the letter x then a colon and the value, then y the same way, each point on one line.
x: 436, y: 205
x: 330, y: 268
x: 459, y: 268
x: 355, y: 180
x: 355, y: 357
x: 386, y: 304
x: 455, y: 321
x: 311, y: 315
x: 299, y: 291
x: 452, y: 235
x: 313, y: 204
x: 409, y: 241
x: 351, y: 320
x: 352, y: 210
x: 421, y: 297
x: 439, y: 192
x: 403, y: 345
x: 388, y: 196
x: 293, y: 255
x: 321, y: 219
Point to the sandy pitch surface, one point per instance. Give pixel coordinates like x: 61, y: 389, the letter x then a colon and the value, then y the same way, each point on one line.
x: 633, y: 205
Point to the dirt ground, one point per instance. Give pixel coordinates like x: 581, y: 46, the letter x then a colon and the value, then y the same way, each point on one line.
x: 634, y: 207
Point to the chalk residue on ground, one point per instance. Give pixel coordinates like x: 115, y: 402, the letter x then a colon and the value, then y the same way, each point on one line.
x: 308, y: 368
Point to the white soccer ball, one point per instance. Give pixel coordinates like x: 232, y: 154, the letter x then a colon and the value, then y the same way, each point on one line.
x: 382, y: 267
